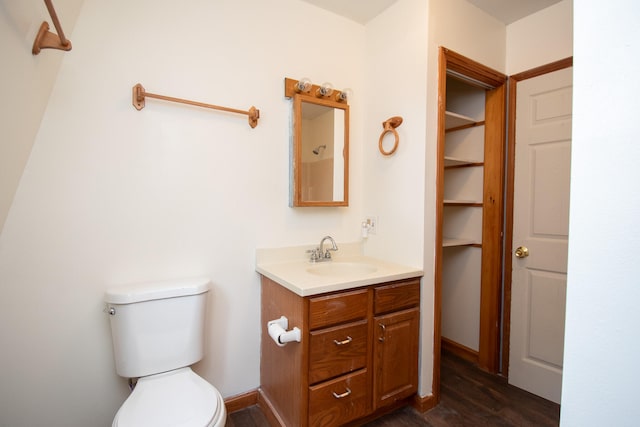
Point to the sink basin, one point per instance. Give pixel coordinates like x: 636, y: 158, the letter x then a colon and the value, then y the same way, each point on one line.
x: 333, y: 268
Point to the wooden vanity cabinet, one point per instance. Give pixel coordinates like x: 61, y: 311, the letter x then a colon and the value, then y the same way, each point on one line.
x: 358, y: 354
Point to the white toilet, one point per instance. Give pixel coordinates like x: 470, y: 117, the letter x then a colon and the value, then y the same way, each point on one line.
x: 158, y: 332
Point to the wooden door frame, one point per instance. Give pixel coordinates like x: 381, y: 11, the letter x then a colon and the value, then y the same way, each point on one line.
x: 510, y: 170
x: 489, y: 346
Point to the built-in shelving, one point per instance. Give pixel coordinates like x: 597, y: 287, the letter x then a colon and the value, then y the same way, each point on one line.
x: 463, y: 194
x: 455, y: 121
x: 449, y: 202
x: 451, y: 242
x: 454, y: 162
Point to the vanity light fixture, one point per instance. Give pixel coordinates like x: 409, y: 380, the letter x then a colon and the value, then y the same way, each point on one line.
x: 303, y: 85
x: 325, y: 90
x: 306, y: 88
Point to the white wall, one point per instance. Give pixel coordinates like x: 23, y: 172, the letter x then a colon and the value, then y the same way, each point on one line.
x: 540, y: 38
x: 112, y: 195
x: 26, y: 83
x: 393, y: 186
x: 396, y: 84
x: 601, y: 372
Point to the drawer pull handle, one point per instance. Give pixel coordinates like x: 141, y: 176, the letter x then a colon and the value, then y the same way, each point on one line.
x: 340, y: 396
x: 343, y: 342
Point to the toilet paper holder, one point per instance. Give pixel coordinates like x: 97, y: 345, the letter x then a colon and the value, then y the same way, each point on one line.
x: 277, y: 330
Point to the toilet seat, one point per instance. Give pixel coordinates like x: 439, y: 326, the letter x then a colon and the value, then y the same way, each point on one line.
x: 178, y: 398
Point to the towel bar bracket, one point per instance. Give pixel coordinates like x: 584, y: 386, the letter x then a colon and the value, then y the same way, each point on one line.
x: 45, y: 39
x: 138, y: 97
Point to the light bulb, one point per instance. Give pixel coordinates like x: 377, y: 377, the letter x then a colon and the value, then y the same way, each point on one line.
x: 325, y: 90
x: 304, y: 85
x: 344, y: 94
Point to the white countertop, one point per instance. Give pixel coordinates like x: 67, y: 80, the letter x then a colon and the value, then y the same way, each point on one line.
x: 291, y: 268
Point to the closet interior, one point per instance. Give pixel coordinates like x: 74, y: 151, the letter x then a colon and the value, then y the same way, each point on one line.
x: 470, y: 209
x: 462, y: 217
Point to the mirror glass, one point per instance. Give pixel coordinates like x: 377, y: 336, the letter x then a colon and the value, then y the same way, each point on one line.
x: 320, y: 152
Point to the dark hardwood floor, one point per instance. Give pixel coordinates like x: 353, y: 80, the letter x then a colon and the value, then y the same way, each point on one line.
x: 249, y: 417
x: 469, y: 397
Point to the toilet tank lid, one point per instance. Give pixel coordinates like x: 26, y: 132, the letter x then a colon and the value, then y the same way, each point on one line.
x: 147, y: 291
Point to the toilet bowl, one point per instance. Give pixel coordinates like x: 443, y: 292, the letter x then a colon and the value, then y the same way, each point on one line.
x: 177, y: 398
x: 158, y: 332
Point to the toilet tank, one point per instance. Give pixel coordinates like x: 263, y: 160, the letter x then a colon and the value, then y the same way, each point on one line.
x: 157, y: 326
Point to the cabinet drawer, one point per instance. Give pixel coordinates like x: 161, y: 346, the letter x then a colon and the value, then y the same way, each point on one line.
x: 336, y: 402
x: 337, y: 308
x: 338, y: 350
x: 397, y: 296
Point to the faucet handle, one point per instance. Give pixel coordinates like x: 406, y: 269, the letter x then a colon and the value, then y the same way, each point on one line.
x: 314, y: 254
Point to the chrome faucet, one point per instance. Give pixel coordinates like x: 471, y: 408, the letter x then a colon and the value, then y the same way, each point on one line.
x: 319, y: 254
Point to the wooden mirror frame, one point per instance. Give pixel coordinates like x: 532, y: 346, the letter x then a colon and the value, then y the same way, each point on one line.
x: 299, y: 99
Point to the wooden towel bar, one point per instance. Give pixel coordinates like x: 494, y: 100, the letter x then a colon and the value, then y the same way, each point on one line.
x: 139, y: 95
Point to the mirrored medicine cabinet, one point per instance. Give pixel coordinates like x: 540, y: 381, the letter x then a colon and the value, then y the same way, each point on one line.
x: 320, y: 146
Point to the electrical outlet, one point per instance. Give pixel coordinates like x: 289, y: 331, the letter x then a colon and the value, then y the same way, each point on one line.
x: 372, y: 222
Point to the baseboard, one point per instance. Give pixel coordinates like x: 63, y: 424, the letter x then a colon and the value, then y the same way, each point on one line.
x: 251, y: 398
x: 256, y: 397
x: 423, y: 404
x: 269, y: 411
x: 459, y: 350
x: 241, y: 401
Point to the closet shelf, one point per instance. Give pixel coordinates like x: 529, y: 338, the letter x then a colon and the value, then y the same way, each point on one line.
x: 455, y: 121
x: 450, y: 162
x: 448, y: 242
x: 450, y: 202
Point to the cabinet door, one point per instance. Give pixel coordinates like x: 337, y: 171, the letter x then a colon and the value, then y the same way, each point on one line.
x: 395, y: 356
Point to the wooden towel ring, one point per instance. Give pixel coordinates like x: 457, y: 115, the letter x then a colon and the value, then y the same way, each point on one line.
x: 390, y: 125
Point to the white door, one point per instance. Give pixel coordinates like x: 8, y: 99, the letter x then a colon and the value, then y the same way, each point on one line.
x: 541, y: 225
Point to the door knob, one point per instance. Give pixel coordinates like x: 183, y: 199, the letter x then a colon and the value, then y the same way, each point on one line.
x: 522, y: 252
